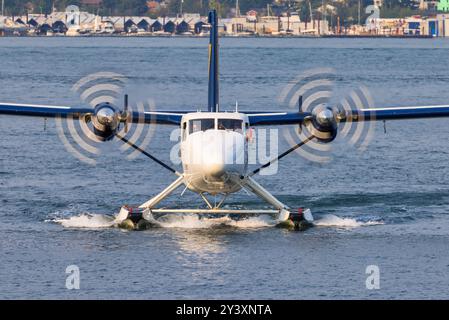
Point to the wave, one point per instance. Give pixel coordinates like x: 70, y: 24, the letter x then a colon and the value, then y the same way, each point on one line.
x: 190, y: 221
x: 194, y: 221
x: 87, y: 221
x: 186, y: 221
x: 331, y: 220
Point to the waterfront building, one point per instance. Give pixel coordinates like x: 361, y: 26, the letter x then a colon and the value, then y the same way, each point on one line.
x: 80, y: 23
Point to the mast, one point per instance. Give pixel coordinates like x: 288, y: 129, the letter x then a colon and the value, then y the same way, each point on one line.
x: 359, y: 12
x: 310, y: 8
x: 323, y: 14
x: 96, y: 22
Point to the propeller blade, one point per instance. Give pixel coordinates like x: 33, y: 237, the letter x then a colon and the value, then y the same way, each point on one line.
x: 300, y: 110
x: 125, y: 113
x: 312, y: 92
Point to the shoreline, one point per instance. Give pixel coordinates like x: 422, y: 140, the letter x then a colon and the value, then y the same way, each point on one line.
x: 223, y: 36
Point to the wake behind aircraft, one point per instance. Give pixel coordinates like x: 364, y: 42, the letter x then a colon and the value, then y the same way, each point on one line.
x: 214, y: 144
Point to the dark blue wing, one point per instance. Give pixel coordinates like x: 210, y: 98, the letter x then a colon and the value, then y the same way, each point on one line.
x: 276, y: 118
x: 42, y: 110
x: 34, y: 110
x: 398, y: 113
x: 255, y: 118
x: 394, y: 113
x: 158, y: 117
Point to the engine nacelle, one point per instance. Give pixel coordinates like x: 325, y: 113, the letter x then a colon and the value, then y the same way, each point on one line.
x: 323, y: 124
x: 105, y: 121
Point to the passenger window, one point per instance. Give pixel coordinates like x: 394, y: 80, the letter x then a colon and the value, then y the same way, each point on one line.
x: 201, y: 125
x: 230, y: 125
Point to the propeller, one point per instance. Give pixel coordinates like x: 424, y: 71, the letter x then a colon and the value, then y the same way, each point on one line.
x: 313, y: 92
x: 125, y: 115
x: 103, y: 92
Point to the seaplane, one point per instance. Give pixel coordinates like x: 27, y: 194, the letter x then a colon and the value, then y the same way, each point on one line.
x: 214, y: 143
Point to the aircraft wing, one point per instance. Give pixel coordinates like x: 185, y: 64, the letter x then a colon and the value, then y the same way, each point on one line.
x: 372, y: 114
x: 159, y: 117
x: 399, y: 113
x: 46, y: 111
x: 277, y: 118
x: 255, y: 118
x: 49, y: 111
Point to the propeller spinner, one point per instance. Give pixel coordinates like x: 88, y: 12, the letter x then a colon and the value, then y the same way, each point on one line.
x: 323, y: 123
x: 105, y: 121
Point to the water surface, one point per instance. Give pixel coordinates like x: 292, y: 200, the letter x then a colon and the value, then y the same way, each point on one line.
x: 387, y: 206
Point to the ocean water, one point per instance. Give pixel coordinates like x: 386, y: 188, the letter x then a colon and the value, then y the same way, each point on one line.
x: 387, y: 205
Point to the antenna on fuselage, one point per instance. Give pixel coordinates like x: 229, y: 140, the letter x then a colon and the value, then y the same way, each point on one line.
x: 213, y: 104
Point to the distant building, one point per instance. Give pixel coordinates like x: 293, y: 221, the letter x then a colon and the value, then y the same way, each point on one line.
x: 144, y: 24
x: 428, y: 5
x: 32, y: 22
x: 156, y: 26
x: 20, y: 21
x: 170, y: 27
x: 251, y: 16
x: 182, y: 27
x: 275, y: 26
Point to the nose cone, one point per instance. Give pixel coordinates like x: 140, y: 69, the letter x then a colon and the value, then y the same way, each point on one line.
x: 214, y: 169
x: 214, y: 153
x: 220, y: 154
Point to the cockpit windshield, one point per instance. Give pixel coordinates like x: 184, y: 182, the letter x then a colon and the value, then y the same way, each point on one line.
x: 230, y: 125
x: 201, y: 125
x: 205, y: 124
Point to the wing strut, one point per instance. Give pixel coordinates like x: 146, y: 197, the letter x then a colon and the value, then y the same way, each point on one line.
x: 148, y: 155
x: 279, y: 157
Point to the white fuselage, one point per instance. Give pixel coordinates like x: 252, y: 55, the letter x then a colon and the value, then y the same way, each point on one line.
x: 214, y: 151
